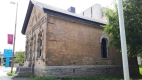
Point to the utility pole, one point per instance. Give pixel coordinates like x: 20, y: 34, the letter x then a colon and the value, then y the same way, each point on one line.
x: 14, y: 36
x: 123, y: 41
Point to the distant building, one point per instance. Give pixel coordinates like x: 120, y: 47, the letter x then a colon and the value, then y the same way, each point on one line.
x: 3, y: 60
x: 139, y: 60
x: 95, y: 12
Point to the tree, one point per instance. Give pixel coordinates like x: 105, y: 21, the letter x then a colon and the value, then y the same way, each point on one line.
x: 133, y: 26
x: 20, y: 57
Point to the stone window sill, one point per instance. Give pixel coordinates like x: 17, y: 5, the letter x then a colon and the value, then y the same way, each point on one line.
x: 105, y: 59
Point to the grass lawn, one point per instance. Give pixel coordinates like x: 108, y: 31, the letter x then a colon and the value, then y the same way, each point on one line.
x: 10, y: 74
x: 94, y: 78
x: 85, y: 78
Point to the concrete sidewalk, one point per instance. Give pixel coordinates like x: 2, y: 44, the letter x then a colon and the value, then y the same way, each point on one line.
x: 3, y: 75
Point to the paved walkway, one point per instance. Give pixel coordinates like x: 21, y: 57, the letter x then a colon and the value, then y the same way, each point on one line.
x: 3, y: 75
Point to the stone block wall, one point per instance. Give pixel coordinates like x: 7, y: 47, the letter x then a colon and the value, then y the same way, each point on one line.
x: 80, y: 71
x: 85, y: 71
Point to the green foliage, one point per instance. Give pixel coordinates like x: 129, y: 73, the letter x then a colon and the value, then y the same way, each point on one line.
x: 10, y: 74
x: 81, y: 78
x: 71, y: 78
x: 133, y: 26
x: 20, y: 57
x: 93, y: 78
x: 140, y: 69
x: 42, y: 78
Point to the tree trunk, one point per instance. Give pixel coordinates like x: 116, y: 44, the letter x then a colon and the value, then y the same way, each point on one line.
x: 133, y: 67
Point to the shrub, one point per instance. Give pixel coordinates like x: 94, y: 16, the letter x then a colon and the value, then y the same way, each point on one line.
x: 10, y: 74
x: 20, y: 57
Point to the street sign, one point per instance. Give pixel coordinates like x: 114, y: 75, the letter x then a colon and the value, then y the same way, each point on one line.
x: 7, y: 62
x: 7, y: 53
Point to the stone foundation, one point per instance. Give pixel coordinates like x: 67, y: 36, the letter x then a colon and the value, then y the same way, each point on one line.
x: 84, y: 71
x: 79, y: 71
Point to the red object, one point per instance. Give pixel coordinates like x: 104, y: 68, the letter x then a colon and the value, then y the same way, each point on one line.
x: 10, y: 38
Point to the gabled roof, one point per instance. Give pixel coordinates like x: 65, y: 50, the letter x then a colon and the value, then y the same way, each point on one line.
x: 57, y: 12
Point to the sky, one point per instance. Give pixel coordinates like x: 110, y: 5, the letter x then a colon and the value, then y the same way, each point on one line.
x: 8, y: 15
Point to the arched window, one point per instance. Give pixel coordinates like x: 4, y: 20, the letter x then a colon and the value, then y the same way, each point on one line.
x: 27, y: 49
x: 33, y: 45
x: 40, y: 44
x: 104, y: 48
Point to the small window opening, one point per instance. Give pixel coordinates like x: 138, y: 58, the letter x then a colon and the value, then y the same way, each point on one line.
x: 40, y: 52
x: 103, y: 14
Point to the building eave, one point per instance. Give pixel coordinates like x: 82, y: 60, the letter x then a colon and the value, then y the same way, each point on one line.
x: 27, y: 17
x: 73, y: 18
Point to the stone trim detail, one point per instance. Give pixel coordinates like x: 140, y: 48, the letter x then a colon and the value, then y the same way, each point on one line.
x: 104, y: 36
x: 26, y: 51
x: 30, y: 46
x: 39, y: 23
x: 40, y: 43
x: 33, y: 45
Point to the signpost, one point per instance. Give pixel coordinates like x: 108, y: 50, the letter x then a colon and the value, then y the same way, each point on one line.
x: 7, y: 55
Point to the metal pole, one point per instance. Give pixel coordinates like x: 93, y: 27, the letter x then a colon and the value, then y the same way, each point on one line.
x: 123, y: 41
x: 14, y: 39
x: 9, y: 46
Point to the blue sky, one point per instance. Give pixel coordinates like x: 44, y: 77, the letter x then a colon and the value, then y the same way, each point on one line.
x: 8, y: 13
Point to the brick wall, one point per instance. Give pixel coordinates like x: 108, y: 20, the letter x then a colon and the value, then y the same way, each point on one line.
x: 73, y: 43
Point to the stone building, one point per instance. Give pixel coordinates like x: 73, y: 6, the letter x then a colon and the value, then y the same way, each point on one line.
x: 61, y: 43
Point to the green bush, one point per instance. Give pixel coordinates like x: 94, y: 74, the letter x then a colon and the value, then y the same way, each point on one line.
x: 20, y: 57
x: 140, y: 69
x: 10, y: 74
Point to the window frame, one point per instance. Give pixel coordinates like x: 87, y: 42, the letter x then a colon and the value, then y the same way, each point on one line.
x: 104, y: 36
